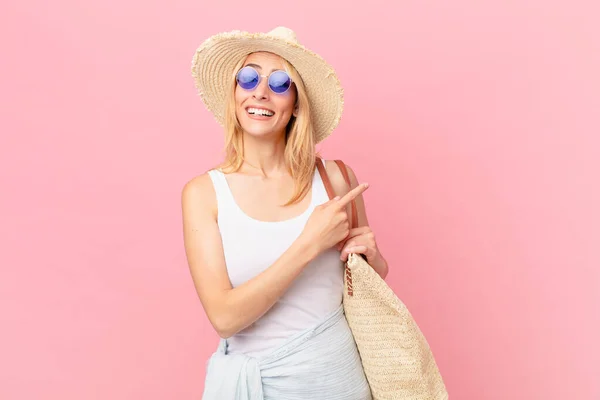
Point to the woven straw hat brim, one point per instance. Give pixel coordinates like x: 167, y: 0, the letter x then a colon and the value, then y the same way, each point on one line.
x: 215, y: 59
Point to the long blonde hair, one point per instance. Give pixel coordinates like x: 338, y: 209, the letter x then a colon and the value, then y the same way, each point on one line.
x: 300, y: 152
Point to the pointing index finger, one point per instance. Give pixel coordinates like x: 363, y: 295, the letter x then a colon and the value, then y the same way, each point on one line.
x: 351, y: 195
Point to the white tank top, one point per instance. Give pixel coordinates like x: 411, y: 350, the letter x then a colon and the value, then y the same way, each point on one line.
x: 251, y: 246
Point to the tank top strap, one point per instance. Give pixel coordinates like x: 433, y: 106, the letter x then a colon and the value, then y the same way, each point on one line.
x: 225, y: 200
x: 320, y: 193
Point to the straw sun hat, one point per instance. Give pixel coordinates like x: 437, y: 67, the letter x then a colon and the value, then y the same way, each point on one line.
x: 215, y: 59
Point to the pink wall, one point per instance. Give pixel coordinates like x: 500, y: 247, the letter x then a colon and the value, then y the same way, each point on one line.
x: 475, y: 123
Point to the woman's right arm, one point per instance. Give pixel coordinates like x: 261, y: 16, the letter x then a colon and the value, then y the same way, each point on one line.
x: 232, y: 309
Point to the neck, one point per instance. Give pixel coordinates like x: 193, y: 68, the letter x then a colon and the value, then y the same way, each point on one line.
x: 265, y: 156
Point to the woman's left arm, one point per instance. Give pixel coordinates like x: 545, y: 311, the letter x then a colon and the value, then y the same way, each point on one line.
x: 361, y: 240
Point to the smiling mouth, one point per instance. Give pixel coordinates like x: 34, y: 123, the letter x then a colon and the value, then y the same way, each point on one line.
x: 261, y: 112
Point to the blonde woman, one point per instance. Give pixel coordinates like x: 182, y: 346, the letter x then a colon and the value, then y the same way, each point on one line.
x: 265, y: 245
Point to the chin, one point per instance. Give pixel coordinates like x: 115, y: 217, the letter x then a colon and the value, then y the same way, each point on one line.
x: 259, y: 132
x: 260, y: 129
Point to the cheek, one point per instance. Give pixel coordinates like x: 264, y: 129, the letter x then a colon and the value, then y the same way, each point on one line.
x: 239, y: 96
x: 286, y: 104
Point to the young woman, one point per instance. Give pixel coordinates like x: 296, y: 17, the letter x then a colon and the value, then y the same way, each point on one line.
x: 264, y: 243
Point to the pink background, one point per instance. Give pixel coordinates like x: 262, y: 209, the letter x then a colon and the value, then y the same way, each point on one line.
x: 476, y: 124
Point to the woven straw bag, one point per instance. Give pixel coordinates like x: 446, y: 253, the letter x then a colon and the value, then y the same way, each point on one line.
x: 396, y: 357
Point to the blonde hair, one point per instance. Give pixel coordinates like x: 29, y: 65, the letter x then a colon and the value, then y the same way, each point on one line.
x: 300, y: 152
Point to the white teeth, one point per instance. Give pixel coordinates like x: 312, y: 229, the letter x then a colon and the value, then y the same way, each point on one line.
x: 259, y: 111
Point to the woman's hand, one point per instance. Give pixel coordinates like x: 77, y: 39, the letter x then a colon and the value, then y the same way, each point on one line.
x: 362, y: 241
x: 328, y: 223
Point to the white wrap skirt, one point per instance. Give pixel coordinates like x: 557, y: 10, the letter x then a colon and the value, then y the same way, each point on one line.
x: 319, y: 363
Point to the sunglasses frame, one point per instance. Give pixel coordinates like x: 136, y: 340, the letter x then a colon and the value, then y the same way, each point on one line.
x: 260, y: 77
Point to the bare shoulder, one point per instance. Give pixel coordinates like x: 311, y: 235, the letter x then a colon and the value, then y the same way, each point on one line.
x: 198, y: 196
x: 337, y: 179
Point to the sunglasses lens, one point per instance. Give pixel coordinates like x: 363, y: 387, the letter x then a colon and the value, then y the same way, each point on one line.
x: 247, y: 78
x: 280, y: 81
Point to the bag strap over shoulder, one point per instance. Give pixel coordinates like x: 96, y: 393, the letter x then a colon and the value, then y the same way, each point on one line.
x: 331, y: 192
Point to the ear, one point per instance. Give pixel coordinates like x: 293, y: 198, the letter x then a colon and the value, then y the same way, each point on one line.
x: 295, y: 112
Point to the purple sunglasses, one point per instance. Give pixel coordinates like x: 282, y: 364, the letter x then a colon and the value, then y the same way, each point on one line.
x: 248, y: 78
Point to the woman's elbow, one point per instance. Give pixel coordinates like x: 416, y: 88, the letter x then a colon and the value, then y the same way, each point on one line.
x: 224, y: 325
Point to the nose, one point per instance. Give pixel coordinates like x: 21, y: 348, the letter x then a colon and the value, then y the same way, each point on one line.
x: 261, y: 92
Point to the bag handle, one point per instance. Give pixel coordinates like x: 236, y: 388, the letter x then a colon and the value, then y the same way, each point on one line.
x: 331, y: 192
x: 354, y: 218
